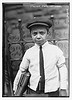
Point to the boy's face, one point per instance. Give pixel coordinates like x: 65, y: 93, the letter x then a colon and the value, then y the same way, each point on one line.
x: 39, y: 35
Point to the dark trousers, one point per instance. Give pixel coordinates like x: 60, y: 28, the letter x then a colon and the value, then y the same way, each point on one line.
x: 32, y: 93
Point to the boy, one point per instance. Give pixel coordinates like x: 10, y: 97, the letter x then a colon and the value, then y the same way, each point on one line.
x: 45, y: 62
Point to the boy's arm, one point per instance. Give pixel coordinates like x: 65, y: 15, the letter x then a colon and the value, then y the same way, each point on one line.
x: 63, y: 80
x: 63, y: 72
x: 23, y: 67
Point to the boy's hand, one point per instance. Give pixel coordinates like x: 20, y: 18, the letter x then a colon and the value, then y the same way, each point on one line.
x: 63, y: 92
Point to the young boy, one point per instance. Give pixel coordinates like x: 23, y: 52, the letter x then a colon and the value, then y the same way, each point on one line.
x: 45, y: 62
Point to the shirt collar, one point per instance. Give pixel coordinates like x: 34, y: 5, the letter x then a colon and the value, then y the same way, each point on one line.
x: 44, y: 45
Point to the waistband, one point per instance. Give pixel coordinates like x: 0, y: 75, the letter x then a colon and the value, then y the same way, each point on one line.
x: 39, y: 92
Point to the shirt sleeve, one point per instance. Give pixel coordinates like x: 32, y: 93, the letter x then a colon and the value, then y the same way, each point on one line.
x: 23, y: 66
x: 60, y: 57
x: 25, y: 62
x: 63, y: 77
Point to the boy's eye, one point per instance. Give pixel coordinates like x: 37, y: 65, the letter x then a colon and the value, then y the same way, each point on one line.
x: 34, y: 33
x: 42, y: 33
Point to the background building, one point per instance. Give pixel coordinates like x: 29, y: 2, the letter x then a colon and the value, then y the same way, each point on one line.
x: 17, y: 39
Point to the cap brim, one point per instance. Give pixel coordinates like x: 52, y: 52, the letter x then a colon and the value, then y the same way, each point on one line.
x: 35, y: 24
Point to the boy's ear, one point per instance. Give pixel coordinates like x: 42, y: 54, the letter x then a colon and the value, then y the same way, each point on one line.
x: 49, y: 33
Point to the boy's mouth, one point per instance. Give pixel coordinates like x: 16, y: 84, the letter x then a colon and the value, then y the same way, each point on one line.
x: 39, y: 41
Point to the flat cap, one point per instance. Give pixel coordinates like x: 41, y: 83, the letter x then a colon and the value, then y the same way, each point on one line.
x: 39, y: 21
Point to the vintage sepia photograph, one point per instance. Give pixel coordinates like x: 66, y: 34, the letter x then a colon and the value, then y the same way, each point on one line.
x: 36, y: 49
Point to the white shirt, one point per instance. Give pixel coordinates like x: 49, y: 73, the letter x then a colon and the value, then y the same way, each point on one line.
x: 53, y: 60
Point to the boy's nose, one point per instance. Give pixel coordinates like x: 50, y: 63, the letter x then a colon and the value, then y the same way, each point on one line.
x: 38, y: 36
